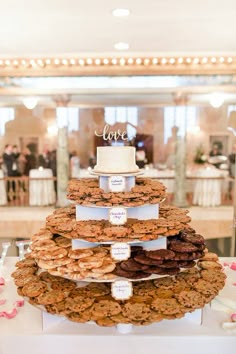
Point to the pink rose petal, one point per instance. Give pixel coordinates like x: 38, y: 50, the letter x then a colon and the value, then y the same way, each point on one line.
x: 3, y: 301
x: 2, y: 281
x: 19, y: 303
x: 225, y: 264
x: 233, y: 266
x: 233, y: 317
x: 234, y: 284
x: 9, y: 315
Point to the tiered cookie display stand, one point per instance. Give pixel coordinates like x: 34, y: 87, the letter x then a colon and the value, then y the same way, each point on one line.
x: 119, y: 256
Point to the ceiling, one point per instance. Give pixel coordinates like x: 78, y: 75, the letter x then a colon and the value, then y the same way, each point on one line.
x: 66, y: 27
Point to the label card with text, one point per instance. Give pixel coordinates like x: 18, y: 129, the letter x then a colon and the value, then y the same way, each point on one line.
x: 118, y: 216
x: 116, y: 184
x: 122, y: 290
x: 120, y: 251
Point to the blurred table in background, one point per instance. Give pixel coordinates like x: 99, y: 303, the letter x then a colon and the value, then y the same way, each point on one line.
x: 41, y: 187
x: 3, y: 192
x: 208, y: 188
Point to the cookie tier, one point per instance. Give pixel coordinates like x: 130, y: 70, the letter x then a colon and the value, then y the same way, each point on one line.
x: 172, y: 220
x: 88, y: 192
x: 153, y: 301
x: 54, y: 253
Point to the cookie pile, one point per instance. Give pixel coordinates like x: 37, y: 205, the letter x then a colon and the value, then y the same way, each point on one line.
x: 187, y: 276
x: 87, y: 192
x: 63, y: 222
x: 153, y: 301
x: 182, y: 252
x: 54, y: 254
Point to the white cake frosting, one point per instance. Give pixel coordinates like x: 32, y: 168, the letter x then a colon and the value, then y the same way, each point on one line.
x: 116, y: 159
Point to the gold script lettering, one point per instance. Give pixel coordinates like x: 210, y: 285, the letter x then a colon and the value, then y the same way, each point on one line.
x: 110, y: 135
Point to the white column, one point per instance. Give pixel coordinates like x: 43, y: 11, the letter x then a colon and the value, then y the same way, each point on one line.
x: 62, y: 155
x: 180, y: 189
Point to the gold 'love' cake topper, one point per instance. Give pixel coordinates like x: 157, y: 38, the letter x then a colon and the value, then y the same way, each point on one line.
x: 107, y: 134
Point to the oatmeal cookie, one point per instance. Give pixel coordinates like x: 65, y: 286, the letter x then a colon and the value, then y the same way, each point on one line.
x: 23, y: 272
x: 34, y: 288
x: 26, y: 263
x: 62, y: 242
x: 55, y: 253
x: 51, y: 297
x: 136, y: 311
x: 78, y: 303
x: 190, y: 299
x: 105, y: 308
x: 80, y: 253
x: 166, y: 306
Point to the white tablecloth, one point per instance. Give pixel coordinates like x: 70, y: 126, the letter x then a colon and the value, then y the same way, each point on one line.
x: 207, y: 192
x: 41, y: 192
x: 3, y: 193
x: 24, y: 333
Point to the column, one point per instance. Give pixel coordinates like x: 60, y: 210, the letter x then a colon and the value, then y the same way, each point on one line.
x: 62, y: 154
x: 180, y: 159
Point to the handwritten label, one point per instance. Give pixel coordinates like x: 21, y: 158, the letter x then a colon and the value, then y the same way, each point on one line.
x: 116, y: 184
x: 120, y: 251
x: 118, y: 216
x: 122, y: 290
x: 110, y: 135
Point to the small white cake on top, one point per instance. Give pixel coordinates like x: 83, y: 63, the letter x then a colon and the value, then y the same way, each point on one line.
x: 116, y: 159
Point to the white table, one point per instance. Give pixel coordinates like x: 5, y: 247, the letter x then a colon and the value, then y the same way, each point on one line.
x: 3, y: 193
x: 207, y: 192
x: 24, y: 333
x: 41, y: 190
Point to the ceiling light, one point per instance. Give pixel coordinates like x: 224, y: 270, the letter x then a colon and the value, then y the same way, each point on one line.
x: 114, y: 61
x: 216, y: 99
x: 121, y: 12
x: 121, y: 46
x: 163, y: 60
x: 30, y: 102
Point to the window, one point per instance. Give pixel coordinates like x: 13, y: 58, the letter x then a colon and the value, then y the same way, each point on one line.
x: 120, y: 114
x: 175, y: 116
x: 6, y: 114
x: 230, y: 109
x: 68, y: 116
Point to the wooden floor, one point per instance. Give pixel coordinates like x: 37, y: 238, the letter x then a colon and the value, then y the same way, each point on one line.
x: 22, y: 222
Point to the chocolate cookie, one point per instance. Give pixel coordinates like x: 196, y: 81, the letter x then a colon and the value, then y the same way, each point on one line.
x: 187, y: 256
x: 132, y: 265
x: 182, y: 247
x: 130, y: 274
x: 160, y: 255
x: 186, y: 264
x: 169, y: 264
x: 192, y: 238
x: 143, y: 259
